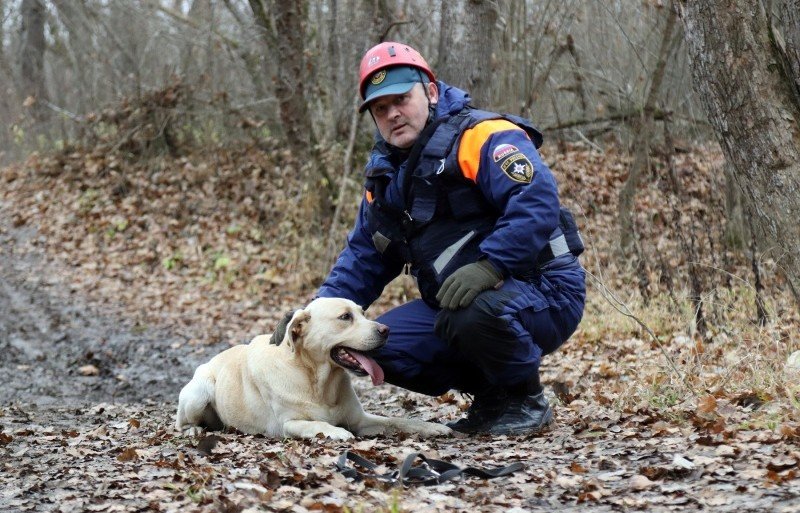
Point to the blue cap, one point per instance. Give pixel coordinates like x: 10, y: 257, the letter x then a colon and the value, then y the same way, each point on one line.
x: 396, y: 80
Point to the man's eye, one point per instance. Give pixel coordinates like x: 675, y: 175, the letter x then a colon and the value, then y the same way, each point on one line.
x: 347, y: 316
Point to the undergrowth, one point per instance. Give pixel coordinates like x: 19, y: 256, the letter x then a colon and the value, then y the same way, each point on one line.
x: 220, y: 241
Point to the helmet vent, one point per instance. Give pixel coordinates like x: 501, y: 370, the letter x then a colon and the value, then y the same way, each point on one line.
x: 392, y: 53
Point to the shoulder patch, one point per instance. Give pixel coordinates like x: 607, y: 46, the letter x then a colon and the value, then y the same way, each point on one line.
x: 503, y: 150
x: 517, y: 167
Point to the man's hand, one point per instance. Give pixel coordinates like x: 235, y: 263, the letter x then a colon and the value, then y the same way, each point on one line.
x: 280, y: 329
x: 461, y: 287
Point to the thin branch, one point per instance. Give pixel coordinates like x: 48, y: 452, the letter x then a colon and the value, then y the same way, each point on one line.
x: 389, y: 28
x: 587, y: 141
x: 658, y: 115
x: 236, y: 45
x: 63, y: 112
x: 625, y: 34
x: 346, y: 168
x: 235, y: 13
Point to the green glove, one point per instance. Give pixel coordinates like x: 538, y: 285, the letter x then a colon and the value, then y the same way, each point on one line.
x: 461, y: 287
x: 280, y: 329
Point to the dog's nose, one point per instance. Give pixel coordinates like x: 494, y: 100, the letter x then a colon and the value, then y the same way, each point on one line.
x: 383, y: 330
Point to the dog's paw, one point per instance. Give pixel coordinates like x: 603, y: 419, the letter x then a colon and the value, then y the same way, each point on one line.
x: 191, y: 431
x: 337, y: 433
x: 434, y: 429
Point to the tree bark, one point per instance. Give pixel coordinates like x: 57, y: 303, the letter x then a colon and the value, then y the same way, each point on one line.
x: 5, y: 67
x: 738, y: 74
x: 790, y: 15
x: 466, y: 47
x: 31, y: 55
x: 285, y: 40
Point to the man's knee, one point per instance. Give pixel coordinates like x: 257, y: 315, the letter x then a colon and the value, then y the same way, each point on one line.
x: 473, y: 329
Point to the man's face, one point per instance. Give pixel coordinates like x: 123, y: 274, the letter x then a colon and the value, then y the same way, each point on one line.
x: 401, y: 117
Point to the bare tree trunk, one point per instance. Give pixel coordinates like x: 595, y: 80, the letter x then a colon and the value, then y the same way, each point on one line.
x: 641, y: 141
x: 5, y: 67
x: 334, y: 59
x: 756, y: 116
x: 31, y: 55
x: 200, y: 13
x: 790, y: 16
x: 736, y: 234
x: 285, y: 39
x: 466, y: 44
x: 7, y: 83
x: 76, y: 52
x: 761, y: 311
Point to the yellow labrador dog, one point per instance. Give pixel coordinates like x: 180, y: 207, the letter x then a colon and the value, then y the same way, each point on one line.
x: 299, y: 388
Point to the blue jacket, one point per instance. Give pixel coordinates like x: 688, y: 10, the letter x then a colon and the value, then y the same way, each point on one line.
x: 518, y: 192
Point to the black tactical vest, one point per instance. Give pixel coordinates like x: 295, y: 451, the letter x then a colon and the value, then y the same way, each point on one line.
x: 443, y: 217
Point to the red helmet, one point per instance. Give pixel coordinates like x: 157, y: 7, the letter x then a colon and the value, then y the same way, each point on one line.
x: 389, y: 54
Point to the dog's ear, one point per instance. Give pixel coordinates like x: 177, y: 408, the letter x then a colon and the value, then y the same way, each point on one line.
x: 296, y: 329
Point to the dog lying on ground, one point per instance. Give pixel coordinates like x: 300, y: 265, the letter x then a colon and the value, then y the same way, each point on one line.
x: 299, y: 388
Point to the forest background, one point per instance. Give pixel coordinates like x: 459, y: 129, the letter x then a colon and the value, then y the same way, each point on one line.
x: 195, y: 166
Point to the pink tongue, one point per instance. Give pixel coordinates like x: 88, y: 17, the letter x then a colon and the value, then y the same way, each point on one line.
x: 371, y: 366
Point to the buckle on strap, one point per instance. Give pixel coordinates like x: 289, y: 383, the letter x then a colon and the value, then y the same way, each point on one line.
x: 428, y: 472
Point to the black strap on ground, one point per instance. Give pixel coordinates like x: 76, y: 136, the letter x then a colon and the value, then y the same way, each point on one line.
x: 417, y: 469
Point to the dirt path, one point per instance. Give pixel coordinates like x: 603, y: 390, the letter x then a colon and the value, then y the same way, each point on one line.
x: 104, y: 441
x: 60, y: 351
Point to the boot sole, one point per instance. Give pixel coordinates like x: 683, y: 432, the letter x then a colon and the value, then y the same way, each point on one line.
x: 466, y: 431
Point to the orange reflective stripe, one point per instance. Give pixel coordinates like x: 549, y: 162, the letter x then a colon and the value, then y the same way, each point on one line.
x: 369, y: 197
x: 472, y: 141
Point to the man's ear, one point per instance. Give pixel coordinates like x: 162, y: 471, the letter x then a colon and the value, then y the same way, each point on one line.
x: 433, y: 91
x: 296, y: 329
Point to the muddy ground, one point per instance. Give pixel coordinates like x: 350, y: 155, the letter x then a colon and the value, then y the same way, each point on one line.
x: 48, y: 334
x: 86, y: 407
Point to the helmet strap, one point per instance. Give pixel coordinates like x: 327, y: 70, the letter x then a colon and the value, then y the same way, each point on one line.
x: 431, y: 105
x: 431, y: 112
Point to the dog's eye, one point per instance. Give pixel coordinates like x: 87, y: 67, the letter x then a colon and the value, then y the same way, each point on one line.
x: 347, y: 316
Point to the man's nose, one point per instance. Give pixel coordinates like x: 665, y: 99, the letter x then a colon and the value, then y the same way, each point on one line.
x: 392, y: 112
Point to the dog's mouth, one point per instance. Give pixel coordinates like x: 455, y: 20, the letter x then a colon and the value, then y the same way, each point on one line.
x: 358, y: 363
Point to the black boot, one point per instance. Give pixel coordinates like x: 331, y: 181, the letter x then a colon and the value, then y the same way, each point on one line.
x: 487, y: 406
x: 524, y: 414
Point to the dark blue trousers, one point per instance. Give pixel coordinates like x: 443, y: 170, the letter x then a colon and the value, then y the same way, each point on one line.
x: 499, y: 339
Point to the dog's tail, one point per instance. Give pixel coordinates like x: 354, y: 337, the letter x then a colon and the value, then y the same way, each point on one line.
x: 195, y: 399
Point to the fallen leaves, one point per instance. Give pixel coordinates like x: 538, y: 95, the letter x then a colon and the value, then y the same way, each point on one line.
x: 218, y: 248
x: 137, y: 464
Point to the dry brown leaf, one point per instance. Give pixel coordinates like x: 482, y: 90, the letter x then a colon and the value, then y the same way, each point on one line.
x: 707, y: 404
x: 128, y: 454
x: 577, y: 468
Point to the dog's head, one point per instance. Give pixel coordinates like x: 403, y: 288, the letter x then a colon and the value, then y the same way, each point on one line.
x: 334, y: 329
